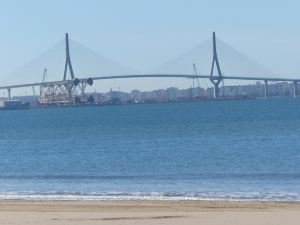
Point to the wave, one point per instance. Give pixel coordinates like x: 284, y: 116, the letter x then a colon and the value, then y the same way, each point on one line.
x: 75, y: 196
x: 256, y: 176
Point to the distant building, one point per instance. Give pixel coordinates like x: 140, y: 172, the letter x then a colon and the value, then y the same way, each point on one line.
x: 172, y: 93
x: 101, y: 98
x: 136, y: 95
x: 148, y: 96
x: 160, y: 95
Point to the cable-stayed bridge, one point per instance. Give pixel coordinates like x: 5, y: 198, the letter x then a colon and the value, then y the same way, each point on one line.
x: 68, y: 87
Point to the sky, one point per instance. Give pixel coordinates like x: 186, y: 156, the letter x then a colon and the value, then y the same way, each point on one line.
x: 144, y: 34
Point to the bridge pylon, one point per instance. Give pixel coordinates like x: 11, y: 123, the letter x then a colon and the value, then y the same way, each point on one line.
x: 216, y: 80
x: 68, y: 91
x: 266, y: 92
x: 295, y: 86
x: 68, y: 60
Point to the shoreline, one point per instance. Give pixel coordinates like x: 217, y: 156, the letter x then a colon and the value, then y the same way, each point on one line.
x: 133, y: 199
x: 154, y: 212
x: 198, y: 203
x: 152, y: 196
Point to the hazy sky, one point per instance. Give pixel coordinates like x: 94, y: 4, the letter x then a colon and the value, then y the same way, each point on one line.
x: 145, y: 34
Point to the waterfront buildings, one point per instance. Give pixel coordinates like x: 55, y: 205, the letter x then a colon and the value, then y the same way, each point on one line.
x: 173, y: 94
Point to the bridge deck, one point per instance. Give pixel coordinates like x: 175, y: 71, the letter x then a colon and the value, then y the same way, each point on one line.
x: 188, y: 76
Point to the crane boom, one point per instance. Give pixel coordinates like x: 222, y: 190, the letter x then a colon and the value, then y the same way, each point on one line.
x: 43, y: 81
x: 196, y: 74
x: 44, y: 76
x: 33, y: 90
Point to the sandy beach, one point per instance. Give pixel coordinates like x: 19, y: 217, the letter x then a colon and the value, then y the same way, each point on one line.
x: 149, y: 212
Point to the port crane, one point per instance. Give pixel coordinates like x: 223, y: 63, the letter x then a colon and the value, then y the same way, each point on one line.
x: 197, y: 78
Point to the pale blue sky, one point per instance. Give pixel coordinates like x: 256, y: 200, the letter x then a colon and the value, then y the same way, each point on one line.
x: 145, y: 34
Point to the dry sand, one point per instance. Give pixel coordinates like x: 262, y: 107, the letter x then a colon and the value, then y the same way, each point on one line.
x: 149, y: 212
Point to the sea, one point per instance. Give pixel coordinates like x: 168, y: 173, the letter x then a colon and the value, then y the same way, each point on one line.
x: 209, y: 150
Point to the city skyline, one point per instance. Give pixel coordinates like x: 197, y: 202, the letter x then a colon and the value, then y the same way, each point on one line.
x: 175, y: 94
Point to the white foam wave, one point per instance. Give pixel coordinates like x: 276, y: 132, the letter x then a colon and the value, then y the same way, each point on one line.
x: 237, y: 196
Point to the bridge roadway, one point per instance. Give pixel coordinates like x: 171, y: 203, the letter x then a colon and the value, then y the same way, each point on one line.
x: 188, y: 76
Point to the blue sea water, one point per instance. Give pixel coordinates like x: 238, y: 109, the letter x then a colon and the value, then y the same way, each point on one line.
x: 242, y: 149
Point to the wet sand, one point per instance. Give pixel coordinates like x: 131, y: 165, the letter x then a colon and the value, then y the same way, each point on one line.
x: 149, y: 212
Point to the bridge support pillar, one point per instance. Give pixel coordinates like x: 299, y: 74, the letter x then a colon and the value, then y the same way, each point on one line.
x: 295, y: 89
x: 266, y: 89
x: 215, y: 79
x: 216, y: 88
x: 9, y: 96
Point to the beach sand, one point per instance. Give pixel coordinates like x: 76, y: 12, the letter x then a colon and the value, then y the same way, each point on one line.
x: 149, y: 212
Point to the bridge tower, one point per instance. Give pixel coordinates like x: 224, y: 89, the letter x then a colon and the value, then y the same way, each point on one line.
x: 295, y: 86
x: 68, y: 61
x: 216, y: 80
x: 266, y: 89
x: 68, y: 91
x: 69, y: 85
